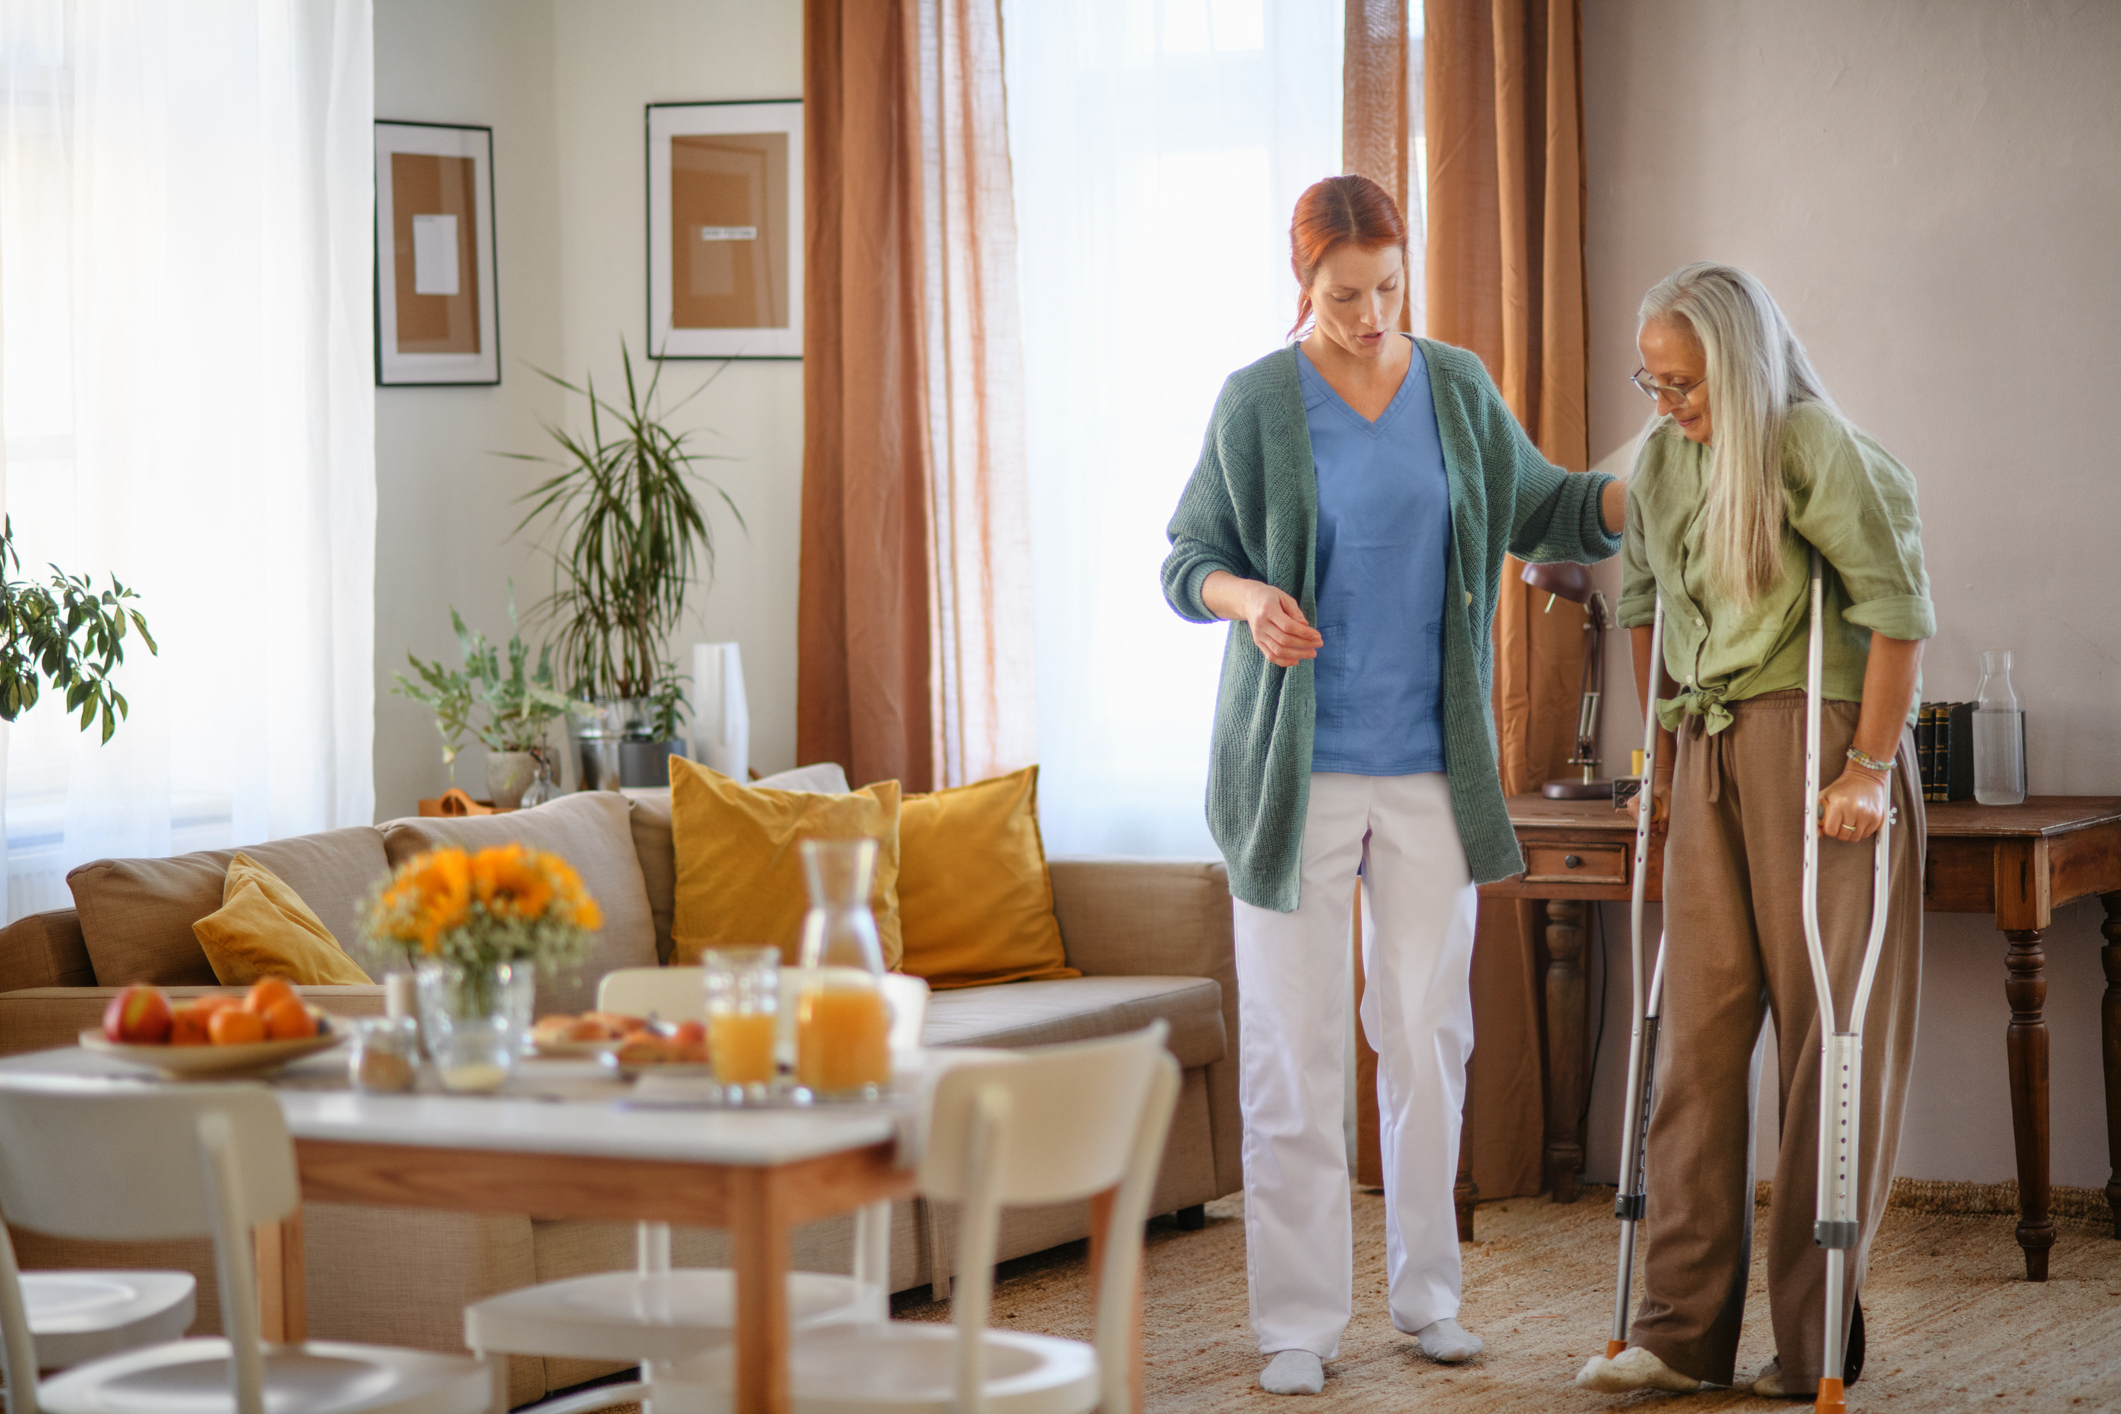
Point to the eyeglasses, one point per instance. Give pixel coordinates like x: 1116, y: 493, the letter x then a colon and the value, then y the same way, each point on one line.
x: 1653, y: 389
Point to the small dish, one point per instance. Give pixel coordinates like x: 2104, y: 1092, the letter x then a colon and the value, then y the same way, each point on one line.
x: 201, y: 1062
x: 575, y: 1050
x: 630, y: 1069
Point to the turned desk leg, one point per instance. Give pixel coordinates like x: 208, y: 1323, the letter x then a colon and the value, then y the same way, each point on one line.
x: 2110, y: 1048
x: 2026, y: 987
x: 1565, y: 1046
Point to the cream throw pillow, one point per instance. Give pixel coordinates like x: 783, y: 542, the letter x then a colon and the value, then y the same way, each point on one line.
x: 739, y: 873
x: 263, y: 929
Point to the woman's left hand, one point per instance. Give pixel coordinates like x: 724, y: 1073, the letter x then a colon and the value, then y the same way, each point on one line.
x: 1854, y: 806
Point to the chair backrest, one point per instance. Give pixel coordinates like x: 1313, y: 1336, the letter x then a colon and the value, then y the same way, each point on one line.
x: 123, y: 1166
x: 674, y: 993
x: 1078, y: 1108
x: 678, y: 993
x: 86, y: 1161
x: 1048, y: 1125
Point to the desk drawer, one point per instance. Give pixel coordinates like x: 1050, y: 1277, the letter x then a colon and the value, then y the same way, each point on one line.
x: 1550, y: 863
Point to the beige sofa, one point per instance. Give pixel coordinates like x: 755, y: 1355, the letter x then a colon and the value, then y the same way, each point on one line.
x: 1151, y: 937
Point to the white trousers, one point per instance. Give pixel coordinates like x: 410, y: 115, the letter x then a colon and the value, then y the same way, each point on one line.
x: 1294, y: 983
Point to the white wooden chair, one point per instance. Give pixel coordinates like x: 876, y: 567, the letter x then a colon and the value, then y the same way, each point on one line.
x: 1052, y: 1125
x: 77, y: 1316
x: 190, y: 1161
x: 658, y: 1316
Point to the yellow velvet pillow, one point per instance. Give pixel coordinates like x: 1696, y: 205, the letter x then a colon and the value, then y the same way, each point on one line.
x: 263, y: 929
x: 740, y: 876
x: 975, y: 900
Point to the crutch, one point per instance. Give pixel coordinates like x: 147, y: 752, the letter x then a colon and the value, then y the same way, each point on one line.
x: 1841, y: 1051
x: 1648, y: 995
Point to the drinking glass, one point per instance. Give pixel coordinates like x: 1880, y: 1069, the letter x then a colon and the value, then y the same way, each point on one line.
x: 743, y: 1015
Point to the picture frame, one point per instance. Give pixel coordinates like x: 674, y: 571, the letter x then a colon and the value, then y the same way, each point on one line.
x: 438, y: 319
x: 725, y: 229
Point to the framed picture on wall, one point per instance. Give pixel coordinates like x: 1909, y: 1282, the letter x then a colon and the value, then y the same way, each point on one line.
x: 725, y: 229
x: 436, y: 320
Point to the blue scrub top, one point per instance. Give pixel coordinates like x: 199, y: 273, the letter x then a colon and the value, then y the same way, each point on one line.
x: 1384, y: 528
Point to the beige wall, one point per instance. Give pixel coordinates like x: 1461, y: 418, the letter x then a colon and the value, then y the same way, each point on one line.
x: 563, y: 84
x: 1931, y: 191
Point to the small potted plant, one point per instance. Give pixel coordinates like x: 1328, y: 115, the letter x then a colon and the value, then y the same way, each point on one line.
x: 520, y: 705
x: 66, y: 632
x: 630, y: 535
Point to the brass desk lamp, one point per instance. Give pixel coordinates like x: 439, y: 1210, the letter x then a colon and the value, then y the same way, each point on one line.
x: 1564, y: 580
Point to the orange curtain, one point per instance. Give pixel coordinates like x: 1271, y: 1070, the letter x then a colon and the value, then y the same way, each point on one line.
x: 913, y: 619
x: 1504, y: 128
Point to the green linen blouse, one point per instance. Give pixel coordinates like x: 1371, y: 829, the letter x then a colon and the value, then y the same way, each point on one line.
x: 1846, y: 495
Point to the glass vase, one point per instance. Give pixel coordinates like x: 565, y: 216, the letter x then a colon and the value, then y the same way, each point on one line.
x: 1999, y: 734
x: 475, y: 1019
x: 843, y: 1024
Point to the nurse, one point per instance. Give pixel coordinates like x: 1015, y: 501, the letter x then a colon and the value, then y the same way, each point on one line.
x: 1350, y: 513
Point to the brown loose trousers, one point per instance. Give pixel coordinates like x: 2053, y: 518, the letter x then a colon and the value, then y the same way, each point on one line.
x: 1735, y: 951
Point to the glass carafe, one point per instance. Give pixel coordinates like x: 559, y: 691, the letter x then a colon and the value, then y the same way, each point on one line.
x: 1999, y: 735
x: 843, y: 1025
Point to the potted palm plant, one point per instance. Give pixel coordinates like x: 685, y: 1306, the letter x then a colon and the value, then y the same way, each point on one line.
x: 629, y: 535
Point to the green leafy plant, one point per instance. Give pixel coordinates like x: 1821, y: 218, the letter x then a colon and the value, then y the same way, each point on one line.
x: 667, y: 705
x: 520, y: 703
x: 629, y: 532
x: 66, y: 632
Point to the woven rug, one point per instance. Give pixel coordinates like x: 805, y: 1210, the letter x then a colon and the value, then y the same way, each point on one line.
x: 1951, y: 1323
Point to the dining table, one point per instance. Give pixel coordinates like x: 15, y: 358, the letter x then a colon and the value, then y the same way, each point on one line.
x: 568, y: 1139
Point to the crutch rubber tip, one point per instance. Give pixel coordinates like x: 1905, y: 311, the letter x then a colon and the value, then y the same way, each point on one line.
x: 1830, y: 1400
x: 1613, y: 1349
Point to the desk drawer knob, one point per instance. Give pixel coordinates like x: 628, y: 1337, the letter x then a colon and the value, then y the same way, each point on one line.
x: 1574, y: 861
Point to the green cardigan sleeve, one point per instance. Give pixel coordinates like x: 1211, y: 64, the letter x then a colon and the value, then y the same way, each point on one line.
x: 1555, y: 514
x: 1205, y: 530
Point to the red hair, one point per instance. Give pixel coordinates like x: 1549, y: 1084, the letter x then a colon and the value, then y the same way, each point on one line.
x: 1350, y: 210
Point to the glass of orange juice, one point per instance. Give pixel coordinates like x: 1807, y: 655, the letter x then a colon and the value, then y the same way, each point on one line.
x: 842, y: 1023
x: 743, y: 1013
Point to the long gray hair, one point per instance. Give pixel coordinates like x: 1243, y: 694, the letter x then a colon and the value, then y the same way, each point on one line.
x: 1757, y: 372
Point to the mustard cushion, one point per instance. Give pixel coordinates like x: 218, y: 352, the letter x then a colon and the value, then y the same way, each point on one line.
x: 975, y: 900
x: 739, y: 874
x: 263, y: 929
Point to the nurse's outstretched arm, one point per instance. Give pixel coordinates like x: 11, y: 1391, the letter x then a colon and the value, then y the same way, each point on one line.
x: 1278, y: 623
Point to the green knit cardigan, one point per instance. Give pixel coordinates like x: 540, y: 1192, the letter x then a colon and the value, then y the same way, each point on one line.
x: 1252, y: 508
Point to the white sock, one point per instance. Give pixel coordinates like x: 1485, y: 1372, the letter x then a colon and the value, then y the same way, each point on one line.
x: 1768, y: 1382
x: 1448, y: 1342
x: 1632, y: 1369
x: 1293, y: 1372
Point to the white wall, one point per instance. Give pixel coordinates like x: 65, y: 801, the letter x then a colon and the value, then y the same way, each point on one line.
x: 563, y: 84
x: 1931, y: 191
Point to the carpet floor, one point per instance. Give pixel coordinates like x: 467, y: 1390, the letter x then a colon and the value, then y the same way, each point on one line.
x: 1951, y: 1324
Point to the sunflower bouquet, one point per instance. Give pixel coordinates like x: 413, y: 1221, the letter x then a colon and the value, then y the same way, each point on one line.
x: 507, y: 904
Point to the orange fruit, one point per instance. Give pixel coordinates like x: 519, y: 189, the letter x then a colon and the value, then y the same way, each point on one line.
x: 213, y: 1002
x: 187, y: 1025
x: 267, y: 991
x: 235, y: 1026
x: 289, y: 1020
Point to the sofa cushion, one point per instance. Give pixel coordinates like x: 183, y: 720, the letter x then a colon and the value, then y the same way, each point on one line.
x: 974, y: 900
x: 659, y: 856
x: 1081, y: 1009
x: 589, y: 830
x: 263, y: 929
x: 136, y: 914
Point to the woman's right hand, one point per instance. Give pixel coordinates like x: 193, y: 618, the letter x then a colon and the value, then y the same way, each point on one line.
x: 1278, y: 625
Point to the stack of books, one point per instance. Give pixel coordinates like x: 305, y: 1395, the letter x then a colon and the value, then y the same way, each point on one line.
x: 1944, y: 747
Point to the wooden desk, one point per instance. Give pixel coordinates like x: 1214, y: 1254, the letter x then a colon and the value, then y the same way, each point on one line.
x: 2016, y: 863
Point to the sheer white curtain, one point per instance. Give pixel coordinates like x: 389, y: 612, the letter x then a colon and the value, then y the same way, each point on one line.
x: 1158, y: 148
x: 186, y: 399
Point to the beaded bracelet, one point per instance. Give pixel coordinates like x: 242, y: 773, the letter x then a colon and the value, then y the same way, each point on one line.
x: 1871, y: 763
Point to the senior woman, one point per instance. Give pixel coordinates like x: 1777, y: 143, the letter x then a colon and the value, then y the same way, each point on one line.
x: 1349, y: 515
x: 1746, y: 468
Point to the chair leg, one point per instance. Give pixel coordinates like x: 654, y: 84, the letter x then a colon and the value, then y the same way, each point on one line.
x: 497, y: 1372
x: 872, y: 1260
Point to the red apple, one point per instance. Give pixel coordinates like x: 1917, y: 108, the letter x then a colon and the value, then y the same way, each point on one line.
x: 138, y: 1016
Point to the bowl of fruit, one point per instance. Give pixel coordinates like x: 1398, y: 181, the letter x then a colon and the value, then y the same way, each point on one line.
x: 218, y: 1035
